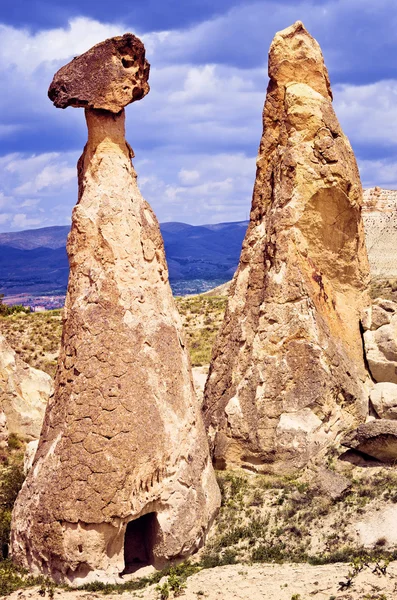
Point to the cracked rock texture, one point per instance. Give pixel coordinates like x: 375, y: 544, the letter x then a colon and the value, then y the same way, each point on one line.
x: 123, y: 435
x: 24, y: 393
x: 287, y: 373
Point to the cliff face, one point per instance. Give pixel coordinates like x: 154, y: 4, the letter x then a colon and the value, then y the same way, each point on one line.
x: 287, y: 373
x: 380, y: 222
x: 122, y: 475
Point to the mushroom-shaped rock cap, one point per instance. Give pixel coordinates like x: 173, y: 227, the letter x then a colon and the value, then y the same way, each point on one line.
x: 296, y: 57
x: 109, y: 76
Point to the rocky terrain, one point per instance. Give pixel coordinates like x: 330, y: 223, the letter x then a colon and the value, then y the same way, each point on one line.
x: 300, y: 403
x: 380, y: 220
x: 287, y: 374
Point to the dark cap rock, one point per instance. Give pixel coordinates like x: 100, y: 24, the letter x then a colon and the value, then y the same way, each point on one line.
x: 109, y: 76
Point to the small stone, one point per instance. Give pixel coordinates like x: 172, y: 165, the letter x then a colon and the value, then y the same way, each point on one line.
x: 332, y: 484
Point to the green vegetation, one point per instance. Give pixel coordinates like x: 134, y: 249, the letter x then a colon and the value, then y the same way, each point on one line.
x: 11, y: 479
x: 11, y: 310
x: 270, y: 519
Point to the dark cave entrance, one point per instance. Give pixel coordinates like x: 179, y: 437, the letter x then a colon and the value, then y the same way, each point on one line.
x: 138, y: 542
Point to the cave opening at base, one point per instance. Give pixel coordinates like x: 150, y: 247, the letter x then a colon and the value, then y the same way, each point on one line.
x: 139, y: 540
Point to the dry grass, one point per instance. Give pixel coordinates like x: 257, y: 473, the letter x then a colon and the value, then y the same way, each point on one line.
x: 35, y: 337
x: 201, y: 317
x: 279, y: 519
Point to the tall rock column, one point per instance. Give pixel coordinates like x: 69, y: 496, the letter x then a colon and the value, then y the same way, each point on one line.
x: 287, y: 373
x: 122, y: 475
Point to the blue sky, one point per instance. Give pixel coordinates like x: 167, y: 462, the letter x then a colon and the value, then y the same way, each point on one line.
x: 196, y: 134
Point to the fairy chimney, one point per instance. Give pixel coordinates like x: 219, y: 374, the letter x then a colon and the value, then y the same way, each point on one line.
x: 287, y: 374
x: 122, y: 475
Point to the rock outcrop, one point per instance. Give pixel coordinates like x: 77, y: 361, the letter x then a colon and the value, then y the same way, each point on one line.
x: 122, y: 476
x: 384, y: 400
x: 376, y: 438
x: 24, y: 393
x: 380, y: 223
x: 287, y: 374
x: 380, y: 340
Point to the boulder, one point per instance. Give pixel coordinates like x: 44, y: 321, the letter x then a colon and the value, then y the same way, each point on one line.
x: 24, y: 393
x: 122, y: 476
x: 384, y: 400
x: 287, y: 375
x: 377, y: 439
x: 380, y: 340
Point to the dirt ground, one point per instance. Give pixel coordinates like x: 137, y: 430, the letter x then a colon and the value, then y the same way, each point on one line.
x: 256, y: 582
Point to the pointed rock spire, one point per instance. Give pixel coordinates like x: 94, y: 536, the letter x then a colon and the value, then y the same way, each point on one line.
x: 287, y: 374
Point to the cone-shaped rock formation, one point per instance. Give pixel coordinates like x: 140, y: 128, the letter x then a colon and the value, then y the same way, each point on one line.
x: 122, y: 476
x: 287, y: 373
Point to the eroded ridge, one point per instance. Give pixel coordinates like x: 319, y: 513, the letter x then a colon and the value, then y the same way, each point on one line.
x: 287, y: 373
x: 122, y: 476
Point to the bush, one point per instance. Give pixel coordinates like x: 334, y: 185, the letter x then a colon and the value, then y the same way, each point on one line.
x: 6, y: 310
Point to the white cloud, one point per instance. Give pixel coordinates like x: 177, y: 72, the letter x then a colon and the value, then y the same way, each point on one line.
x: 187, y: 177
x: 381, y: 172
x: 22, y: 221
x: 368, y: 113
x: 31, y: 185
x: 196, y: 134
x: 4, y: 218
x: 222, y: 192
x: 25, y: 51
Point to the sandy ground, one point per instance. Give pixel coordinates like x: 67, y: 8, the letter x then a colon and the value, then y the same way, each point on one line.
x: 256, y: 582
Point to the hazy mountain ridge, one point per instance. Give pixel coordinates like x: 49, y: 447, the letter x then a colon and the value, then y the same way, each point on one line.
x: 35, y: 261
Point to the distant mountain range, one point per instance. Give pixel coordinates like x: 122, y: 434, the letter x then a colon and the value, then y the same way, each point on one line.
x: 34, y: 262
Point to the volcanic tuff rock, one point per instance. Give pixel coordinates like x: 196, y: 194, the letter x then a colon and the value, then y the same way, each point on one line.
x: 111, y: 75
x: 376, y: 438
x: 122, y: 475
x: 380, y: 223
x: 287, y: 373
x: 380, y: 340
x: 384, y: 400
x: 24, y: 393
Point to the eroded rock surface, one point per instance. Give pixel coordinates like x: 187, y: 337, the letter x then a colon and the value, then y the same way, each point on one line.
x: 122, y: 476
x: 380, y: 339
x: 384, y: 400
x: 287, y: 373
x: 380, y: 222
x: 24, y: 393
x: 376, y: 438
x: 111, y: 75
